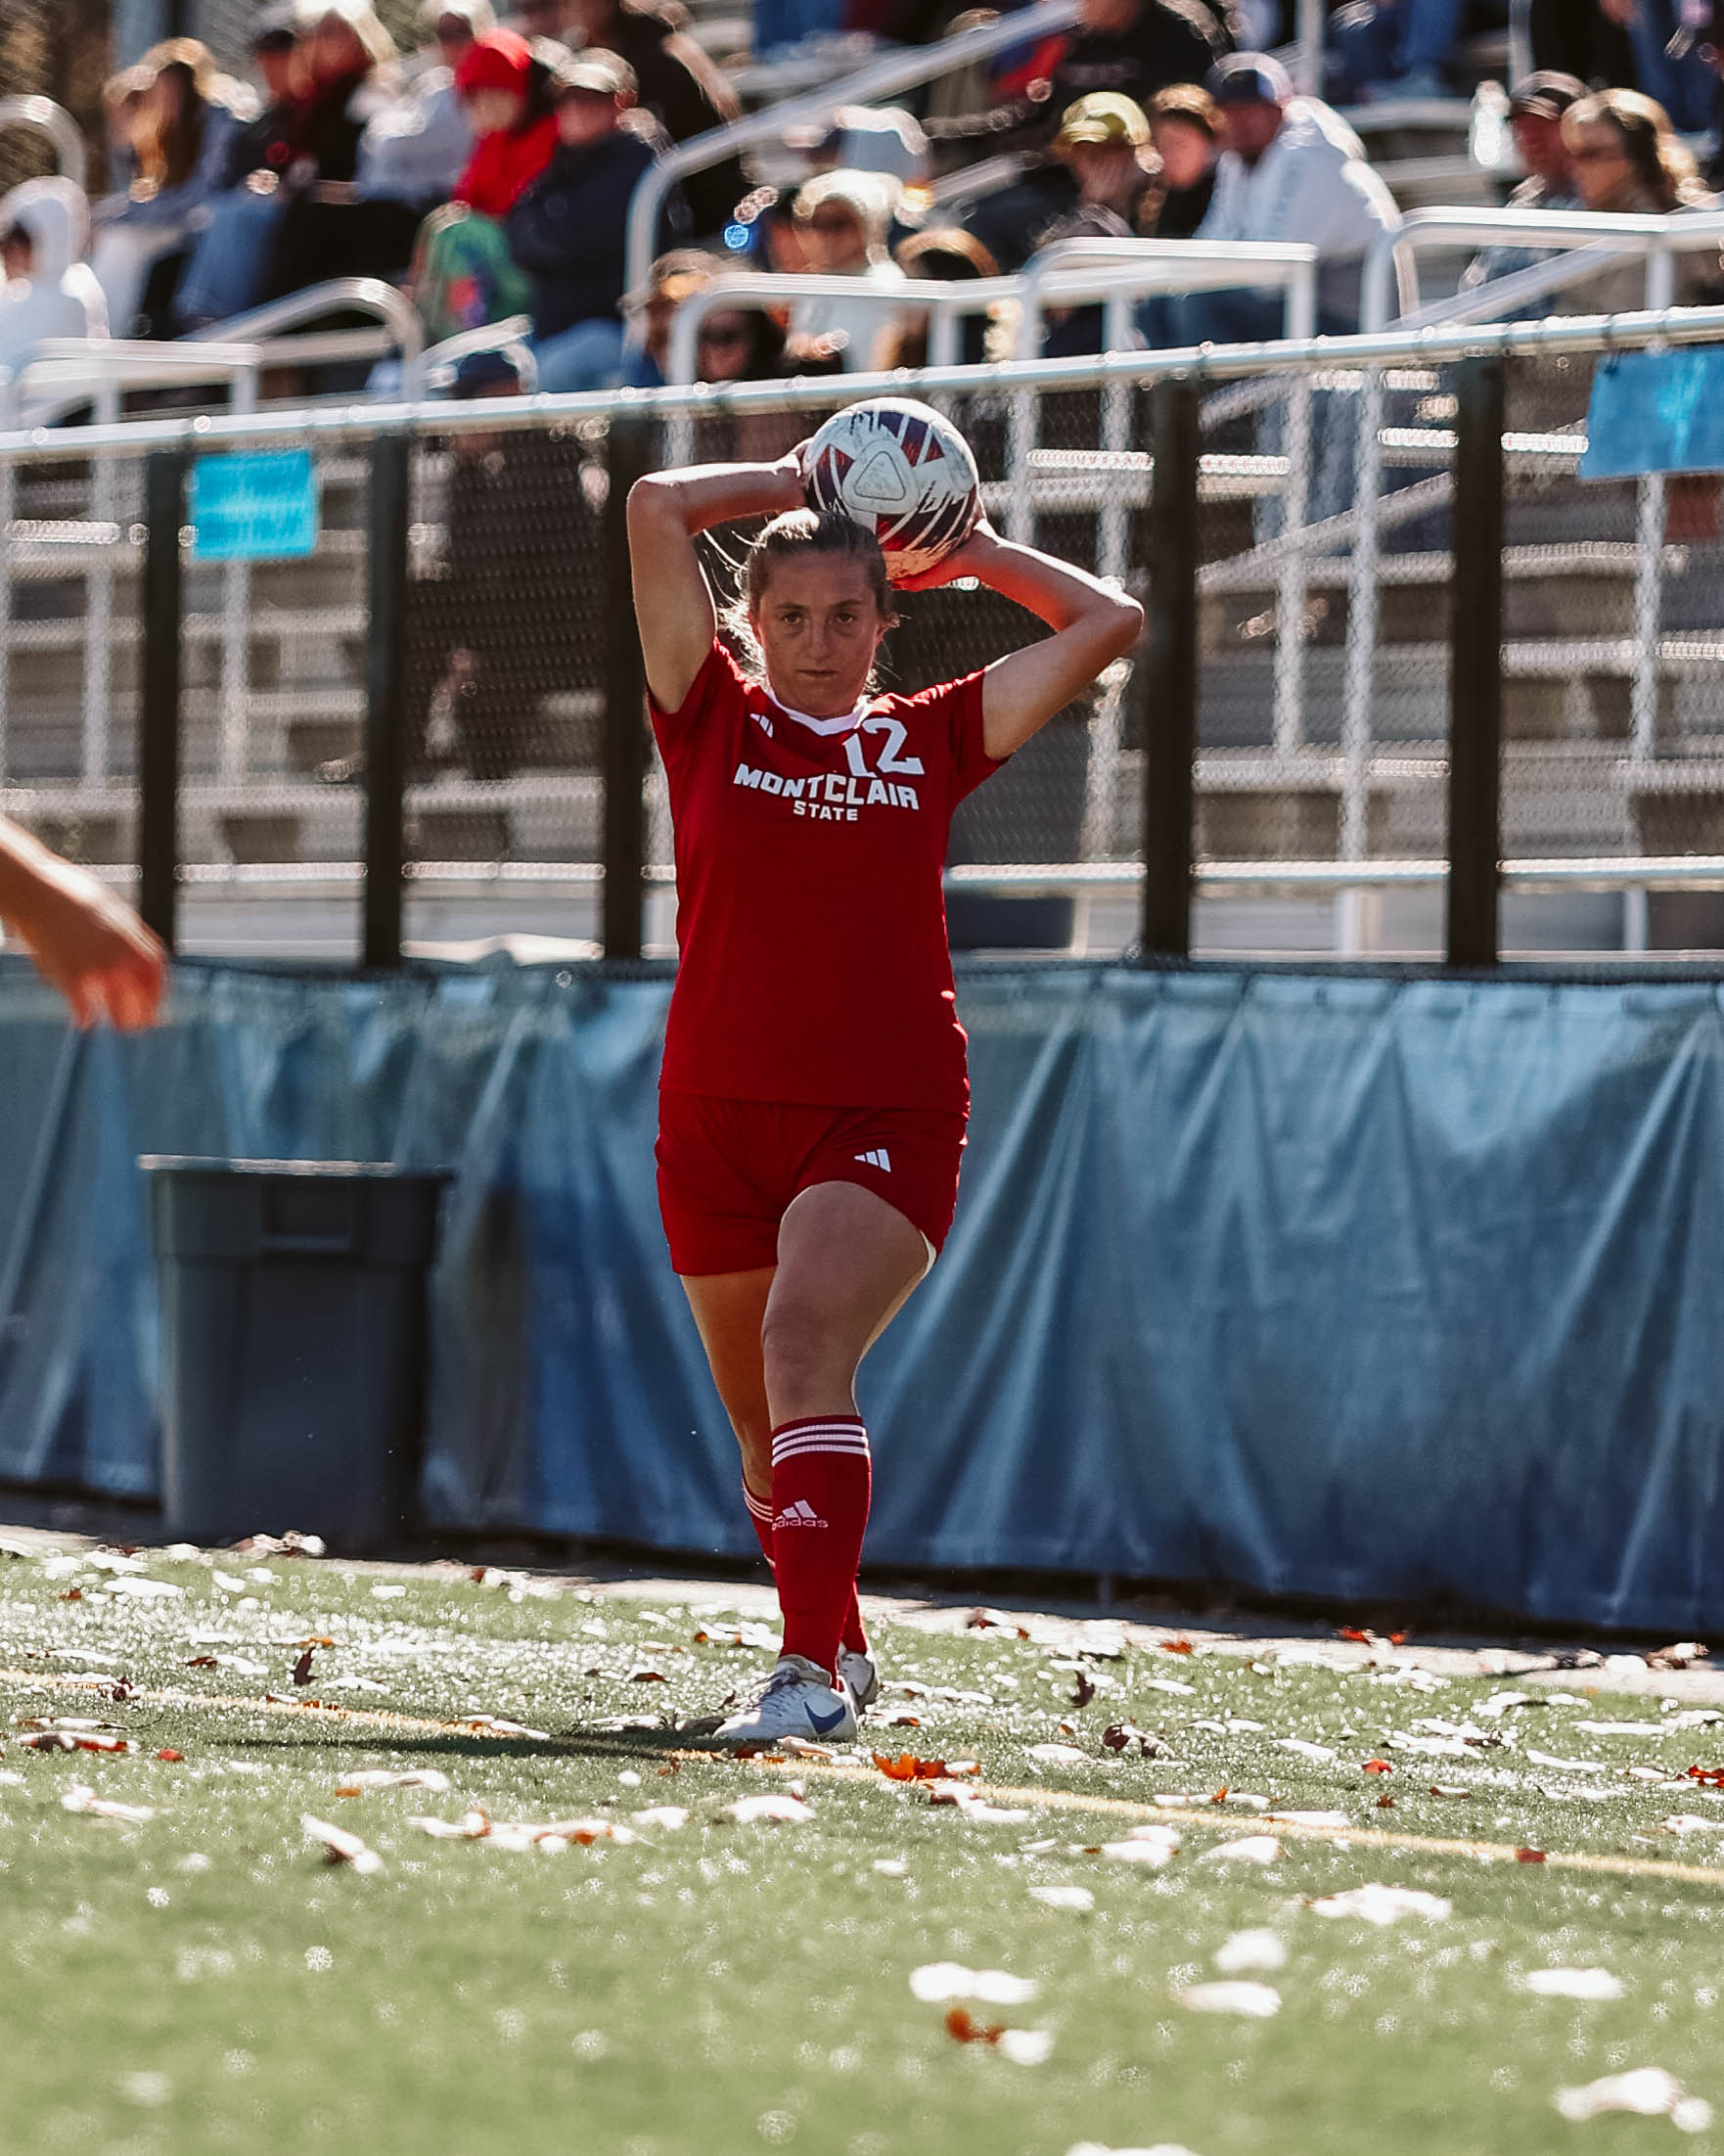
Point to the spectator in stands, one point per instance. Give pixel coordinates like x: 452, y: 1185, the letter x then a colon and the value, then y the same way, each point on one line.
x: 122, y: 107
x: 1135, y: 48
x: 677, y: 84
x: 1382, y: 49
x: 946, y: 255
x: 1578, y: 37
x: 843, y: 219
x: 229, y: 260
x: 327, y: 228
x: 1292, y: 169
x: 181, y: 135
x: 1668, y: 63
x: 1627, y: 158
x: 1535, y: 115
x: 46, y: 287
x: 1185, y: 128
x: 1104, y: 141
x: 569, y: 230
x: 464, y: 274
x: 765, y: 234
x: 416, y: 147
x: 864, y: 138
x: 673, y: 278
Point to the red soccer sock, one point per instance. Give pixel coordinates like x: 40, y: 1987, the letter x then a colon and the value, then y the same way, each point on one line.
x: 821, y: 1481
x: 855, y: 1636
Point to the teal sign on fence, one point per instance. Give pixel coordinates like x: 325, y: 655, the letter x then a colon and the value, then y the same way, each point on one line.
x: 254, y: 506
x: 1655, y: 412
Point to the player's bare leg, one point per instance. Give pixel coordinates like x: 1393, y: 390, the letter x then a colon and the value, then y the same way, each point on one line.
x: 729, y: 1311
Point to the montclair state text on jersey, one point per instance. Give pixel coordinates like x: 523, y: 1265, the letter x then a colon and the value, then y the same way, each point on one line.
x: 830, y: 797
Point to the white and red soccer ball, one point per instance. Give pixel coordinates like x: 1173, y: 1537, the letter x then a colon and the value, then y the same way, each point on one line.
x: 903, y: 471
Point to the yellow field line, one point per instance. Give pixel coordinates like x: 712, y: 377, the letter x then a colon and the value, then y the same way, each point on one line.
x: 1214, y: 1816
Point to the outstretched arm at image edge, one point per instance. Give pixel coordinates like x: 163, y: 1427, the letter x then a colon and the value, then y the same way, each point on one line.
x: 84, y: 940
x: 672, y: 604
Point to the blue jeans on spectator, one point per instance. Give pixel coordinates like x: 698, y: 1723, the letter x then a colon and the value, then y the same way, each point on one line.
x: 1376, y: 41
x: 1170, y: 321
x: 588, y: 356
x: 1686, y: 88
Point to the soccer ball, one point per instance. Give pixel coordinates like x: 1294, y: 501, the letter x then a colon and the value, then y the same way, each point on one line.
x: 901, y: 470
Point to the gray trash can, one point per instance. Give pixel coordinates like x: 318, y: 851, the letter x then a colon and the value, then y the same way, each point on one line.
x: 293, y: 1322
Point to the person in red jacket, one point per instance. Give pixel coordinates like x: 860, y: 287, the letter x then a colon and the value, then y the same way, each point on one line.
x: 814, y: 1092
x: 507, y: 93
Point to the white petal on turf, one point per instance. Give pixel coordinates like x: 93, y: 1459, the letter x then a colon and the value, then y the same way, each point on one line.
x: 1026, y: 2046
x: 380, y: 1777
x: 939, y: 1982
x: 1080, y: 1899
x: 1375, y: 1903
x: 1572, y: 1983
x: 1255, y: 2002
x: 1320, y: 1755
x: 1161, y: 2148
x: 891, y: 1867
x: 1056, y: 1754
x: 1249, y: 1848
x: 1648, y: 2091
x: 774, y: 1808
x: 670, y: 1816
x: 1156, y: 1855
x: 1247, y: 1951
x: 338, y: 1846
x: 1689, y: 1822
x: 81, y: 1797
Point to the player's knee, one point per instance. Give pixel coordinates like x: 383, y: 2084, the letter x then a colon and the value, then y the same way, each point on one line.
x: 799, y: 1352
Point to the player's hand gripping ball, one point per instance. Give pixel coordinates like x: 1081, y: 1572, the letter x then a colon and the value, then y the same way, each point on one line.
x: 904, y: 472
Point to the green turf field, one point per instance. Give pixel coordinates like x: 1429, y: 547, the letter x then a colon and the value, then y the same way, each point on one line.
x: 203, y: 1980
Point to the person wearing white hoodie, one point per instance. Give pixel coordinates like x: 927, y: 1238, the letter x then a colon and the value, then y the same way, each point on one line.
x: 50, y: 289
x: 1292, y: 169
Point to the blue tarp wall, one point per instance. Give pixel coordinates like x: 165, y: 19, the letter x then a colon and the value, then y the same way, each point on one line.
x: 1358, y: 1287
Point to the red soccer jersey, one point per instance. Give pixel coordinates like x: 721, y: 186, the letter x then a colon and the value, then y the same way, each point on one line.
x: 811, y: 922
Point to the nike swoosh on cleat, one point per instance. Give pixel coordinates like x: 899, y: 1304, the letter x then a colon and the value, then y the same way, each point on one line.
x: 824, y: 1723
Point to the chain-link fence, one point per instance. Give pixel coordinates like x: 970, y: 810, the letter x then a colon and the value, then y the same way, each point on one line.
x: 1324, y: 561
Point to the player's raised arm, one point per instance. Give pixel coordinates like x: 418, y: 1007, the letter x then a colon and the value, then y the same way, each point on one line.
x: 85, y: 941
x: 672, y: 604
x: 1093, y: 625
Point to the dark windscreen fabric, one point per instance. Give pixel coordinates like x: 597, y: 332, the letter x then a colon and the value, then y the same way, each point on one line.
x: 1351, y: 1287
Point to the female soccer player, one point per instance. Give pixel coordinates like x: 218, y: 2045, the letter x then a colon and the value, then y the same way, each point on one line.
x: 814, y: 1094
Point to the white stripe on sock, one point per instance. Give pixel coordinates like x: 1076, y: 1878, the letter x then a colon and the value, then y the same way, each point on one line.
x: 819, y: 1433
x: 820, y: 1444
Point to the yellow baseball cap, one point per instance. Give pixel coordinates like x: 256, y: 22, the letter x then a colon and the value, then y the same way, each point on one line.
x: 1104, y: 117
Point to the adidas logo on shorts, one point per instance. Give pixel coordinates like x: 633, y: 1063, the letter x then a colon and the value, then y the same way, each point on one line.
x: 878, y: 1158
x: 801, y: 1514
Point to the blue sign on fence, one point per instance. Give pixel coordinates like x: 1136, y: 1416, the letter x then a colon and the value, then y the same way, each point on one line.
x: 1655, y: 412
x: 254, y: 506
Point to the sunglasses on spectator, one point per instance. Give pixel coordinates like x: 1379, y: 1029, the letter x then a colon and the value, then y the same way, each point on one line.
x: 1599, y: 153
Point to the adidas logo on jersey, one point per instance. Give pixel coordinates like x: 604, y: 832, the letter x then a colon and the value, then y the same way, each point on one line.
x: 801, y: 1514
x: 878, y: 1158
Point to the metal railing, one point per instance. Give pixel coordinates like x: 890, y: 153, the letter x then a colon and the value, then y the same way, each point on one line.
x: 276, y: 327
x: 902, y: 69
x: 1070, y: 273
x: 72, y: 156
x: 1389, y: 288
x: 67, y: 372
x: 1094, y: 479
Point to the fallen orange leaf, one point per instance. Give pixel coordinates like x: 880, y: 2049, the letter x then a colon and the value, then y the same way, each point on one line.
x: 1379, y: 1766
x: 964, y: 2028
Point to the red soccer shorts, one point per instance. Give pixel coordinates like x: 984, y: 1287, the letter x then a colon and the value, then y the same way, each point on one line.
x: 728, y: 1169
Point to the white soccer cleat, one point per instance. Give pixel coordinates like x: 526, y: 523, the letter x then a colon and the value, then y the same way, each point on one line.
x: 798, y: 1700
x: 858, y: 1672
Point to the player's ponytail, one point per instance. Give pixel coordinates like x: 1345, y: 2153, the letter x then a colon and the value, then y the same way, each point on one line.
x: 793, y: 536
